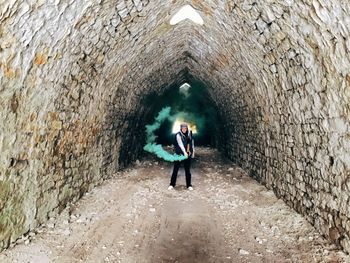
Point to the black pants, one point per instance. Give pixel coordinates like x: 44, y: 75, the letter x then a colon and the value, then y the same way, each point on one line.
x: 177, y: 164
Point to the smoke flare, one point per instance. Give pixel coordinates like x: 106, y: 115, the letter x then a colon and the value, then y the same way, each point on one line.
x: 152, y: 146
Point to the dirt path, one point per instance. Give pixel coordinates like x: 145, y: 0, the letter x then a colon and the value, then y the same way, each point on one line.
x: 134, y: 218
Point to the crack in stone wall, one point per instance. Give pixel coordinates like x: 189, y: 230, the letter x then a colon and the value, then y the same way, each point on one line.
x: 73, y: 78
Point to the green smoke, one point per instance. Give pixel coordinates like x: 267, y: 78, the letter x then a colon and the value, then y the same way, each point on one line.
x: 151, y: 145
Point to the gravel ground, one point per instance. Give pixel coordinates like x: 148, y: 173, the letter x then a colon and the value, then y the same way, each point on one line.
x: 132, y: 217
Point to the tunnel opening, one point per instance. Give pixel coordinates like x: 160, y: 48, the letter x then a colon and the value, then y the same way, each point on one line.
x: 187, y: 12
x: 73, y: 89
x: 190, y: 102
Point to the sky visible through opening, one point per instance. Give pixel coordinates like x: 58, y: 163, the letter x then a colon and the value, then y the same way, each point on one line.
x: 187, y: 12
x: 191, y: 103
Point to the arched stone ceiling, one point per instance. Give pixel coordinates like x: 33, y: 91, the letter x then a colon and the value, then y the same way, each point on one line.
x: 73, y: 76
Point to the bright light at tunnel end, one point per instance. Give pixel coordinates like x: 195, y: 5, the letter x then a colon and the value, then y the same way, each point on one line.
x: 187, y: 12
x: 176, y: 126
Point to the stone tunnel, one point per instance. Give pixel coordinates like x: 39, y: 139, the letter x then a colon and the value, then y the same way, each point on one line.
x: 75, y: 75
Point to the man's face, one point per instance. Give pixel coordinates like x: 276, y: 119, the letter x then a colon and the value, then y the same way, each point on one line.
x: 184, y: 129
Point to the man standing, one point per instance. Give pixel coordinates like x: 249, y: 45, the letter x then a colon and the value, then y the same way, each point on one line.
x: 184, y: 145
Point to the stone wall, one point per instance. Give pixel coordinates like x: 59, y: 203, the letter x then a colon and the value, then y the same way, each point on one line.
x: 73, y: 78
x: 285, y: 67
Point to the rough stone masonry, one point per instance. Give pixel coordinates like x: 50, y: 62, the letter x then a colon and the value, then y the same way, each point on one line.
x: 74, y: 76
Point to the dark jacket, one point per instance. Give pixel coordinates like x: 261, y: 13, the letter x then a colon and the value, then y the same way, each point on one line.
x: 186, y: 140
